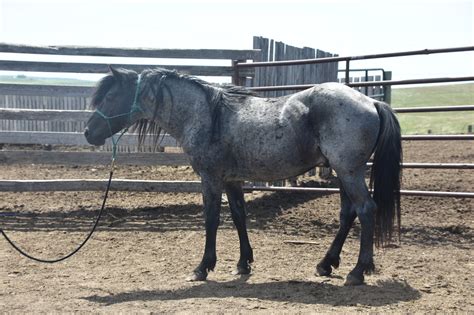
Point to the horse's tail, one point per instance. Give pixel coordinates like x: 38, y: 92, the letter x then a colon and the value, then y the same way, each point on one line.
x: 386, y: 174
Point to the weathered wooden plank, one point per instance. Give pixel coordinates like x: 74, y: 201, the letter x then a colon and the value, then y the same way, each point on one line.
x: 99, y: 185
x: 44, y: 114
x: 234, y: 54
x: 308, y: 70
x: 91, y: 158
x: 45, y: 90
x: 270, y: 75
x: 76, y: 67
x: 69, y: 138
x: 263, y: 73
x: 281, y: 72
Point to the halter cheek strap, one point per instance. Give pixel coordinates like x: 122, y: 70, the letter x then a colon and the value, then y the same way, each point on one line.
x: 134, y: 109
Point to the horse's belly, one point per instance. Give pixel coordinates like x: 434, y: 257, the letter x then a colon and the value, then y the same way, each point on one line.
x: 272, y: 142
x: 267, y: 162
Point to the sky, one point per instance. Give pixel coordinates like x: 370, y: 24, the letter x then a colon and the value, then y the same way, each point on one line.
x: 341, y: 27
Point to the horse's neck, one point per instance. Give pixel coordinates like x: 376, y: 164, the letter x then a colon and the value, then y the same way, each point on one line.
x: 184, y: 108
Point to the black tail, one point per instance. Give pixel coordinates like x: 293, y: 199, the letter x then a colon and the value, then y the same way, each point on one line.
x: 386, y: 175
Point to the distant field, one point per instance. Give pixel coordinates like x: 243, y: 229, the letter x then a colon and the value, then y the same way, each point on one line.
x: 21, y: 79
x: 442, y: 95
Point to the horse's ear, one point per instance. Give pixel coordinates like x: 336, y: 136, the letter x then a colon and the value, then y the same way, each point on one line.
x: 115, y: 72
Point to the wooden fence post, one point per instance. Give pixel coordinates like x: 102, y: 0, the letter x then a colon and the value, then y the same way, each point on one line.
x: 237, y: 78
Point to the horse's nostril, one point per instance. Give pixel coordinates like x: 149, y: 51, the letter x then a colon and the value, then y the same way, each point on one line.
x: 86, y: 132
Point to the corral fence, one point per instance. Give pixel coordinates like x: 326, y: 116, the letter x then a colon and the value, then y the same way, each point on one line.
x: 378, y: 92
x: 63, y: 118
x: 53, y: 117
x: 271, y: 50
x: 383, y: 84
x: 239, y: 68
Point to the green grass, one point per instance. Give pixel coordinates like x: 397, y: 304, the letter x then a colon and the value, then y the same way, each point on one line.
x: 437, y: 123
x: 21, y: 79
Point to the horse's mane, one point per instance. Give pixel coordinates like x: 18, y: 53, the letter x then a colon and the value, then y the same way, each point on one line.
x: 214, y: 92
x: 218, y: 96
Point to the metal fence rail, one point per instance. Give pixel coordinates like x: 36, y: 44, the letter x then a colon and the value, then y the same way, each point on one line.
x: 353, y: 58
x: 348, y: 59
x: 369, y: 83
x: 432, y: 109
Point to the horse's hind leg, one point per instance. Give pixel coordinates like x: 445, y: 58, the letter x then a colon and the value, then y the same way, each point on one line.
x: 235, y: 196
x: 356, y: 189
x: 346, y: 218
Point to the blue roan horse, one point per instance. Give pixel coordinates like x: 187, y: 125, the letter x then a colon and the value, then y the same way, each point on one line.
x: 231, y: 135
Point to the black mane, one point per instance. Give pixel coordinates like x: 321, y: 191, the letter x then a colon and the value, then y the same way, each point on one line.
x: 218, y: 96
x: 214, y: 92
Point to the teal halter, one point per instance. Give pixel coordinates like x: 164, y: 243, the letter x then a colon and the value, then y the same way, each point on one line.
x: 134, y: 109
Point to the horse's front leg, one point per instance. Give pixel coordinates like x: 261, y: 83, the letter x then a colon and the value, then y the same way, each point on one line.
x: 212, y: 194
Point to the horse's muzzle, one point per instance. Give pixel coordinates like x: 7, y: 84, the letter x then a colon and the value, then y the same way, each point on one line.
x: 92, y: 140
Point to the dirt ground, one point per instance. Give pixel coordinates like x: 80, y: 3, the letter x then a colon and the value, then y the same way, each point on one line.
x: 148, y: 243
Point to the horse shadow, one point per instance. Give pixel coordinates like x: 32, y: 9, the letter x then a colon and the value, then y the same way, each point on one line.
x: 261, y: 210
x: 381, y: 293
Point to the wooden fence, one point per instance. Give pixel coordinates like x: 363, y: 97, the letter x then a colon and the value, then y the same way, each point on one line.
x: 65, y: 129
x: 55, y: 116
x: 271, y: 50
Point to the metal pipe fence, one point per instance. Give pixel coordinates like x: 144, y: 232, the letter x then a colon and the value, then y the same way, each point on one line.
x: 347, y: 60
x: 297, y: 87
x: 360, y: 57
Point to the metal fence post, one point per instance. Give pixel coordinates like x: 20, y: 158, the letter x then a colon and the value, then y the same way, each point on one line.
x: 387, y: 89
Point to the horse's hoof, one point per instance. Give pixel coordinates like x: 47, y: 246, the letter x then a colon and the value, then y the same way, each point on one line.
x: 242, y: 270
x: 370, y: 269
x: 354, y: 280
x: 197, y: 275
x: 322, y: 271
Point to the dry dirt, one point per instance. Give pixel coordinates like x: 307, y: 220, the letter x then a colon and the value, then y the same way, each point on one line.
x: 148, y: 243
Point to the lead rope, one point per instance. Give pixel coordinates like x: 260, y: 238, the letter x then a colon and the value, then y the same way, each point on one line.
x: 135, y: 108
x: 52, y: 261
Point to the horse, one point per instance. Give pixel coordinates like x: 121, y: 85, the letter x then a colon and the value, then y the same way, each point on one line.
x: 231, y: 135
